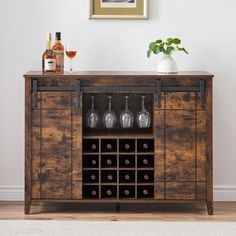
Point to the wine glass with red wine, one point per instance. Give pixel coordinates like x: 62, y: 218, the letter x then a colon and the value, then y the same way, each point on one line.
x: 71, y: 53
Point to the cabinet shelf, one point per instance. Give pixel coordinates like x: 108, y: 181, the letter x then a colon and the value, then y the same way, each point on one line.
x: 118, y: 153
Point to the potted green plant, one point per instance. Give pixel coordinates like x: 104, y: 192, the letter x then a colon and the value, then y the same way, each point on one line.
x: 167, y: 64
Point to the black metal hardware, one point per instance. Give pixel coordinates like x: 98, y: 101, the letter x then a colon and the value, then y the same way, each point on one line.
x: 201, y: 88
x: 55, y: 88
x: 35, y: 90
x: 159, y: 89
x: 130, y: 89
x: 97, y: 89
x: 78, y: 89
x: 181, y: 89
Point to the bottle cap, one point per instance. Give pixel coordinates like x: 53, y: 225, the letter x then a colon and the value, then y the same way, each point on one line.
x: 49, y: 37
x: 58, y: 35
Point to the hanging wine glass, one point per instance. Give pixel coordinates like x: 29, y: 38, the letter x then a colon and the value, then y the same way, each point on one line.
x: 109, y: 117
x: 143, y: 117
x: 126, y: 116
x: 92, y: 117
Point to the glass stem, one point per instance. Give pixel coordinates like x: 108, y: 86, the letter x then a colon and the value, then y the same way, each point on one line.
x: 143, y: 105
x: 92, y: 107
x: 109, y: 108
x: 126, y: 103
x: 71, y: 69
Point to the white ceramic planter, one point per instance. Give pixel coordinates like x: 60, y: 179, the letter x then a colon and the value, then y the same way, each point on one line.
x: 167, y: 65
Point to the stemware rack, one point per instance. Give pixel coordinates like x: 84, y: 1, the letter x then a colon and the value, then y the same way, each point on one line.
x: 118, y: 104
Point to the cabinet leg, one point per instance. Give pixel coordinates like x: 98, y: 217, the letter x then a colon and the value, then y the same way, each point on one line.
x: 117, y: 206
x: 27, y: 207
x: 210, y: 208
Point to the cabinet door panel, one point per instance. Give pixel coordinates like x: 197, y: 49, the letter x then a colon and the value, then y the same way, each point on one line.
x: 180, y: 100
x: 56, y: 166
x: 180, y: 145
x: 56, y: 100
x: 56, y: 146
x: 180, y: 190
x: 201, y: 146
x: 76, y: 149
x: 56, y: 190
x: 201, y: 190
x: 56, y: 130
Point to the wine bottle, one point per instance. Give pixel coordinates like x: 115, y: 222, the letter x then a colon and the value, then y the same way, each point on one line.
x: 146, y: 177
x: 127, y: 162
x: 127, y: 177
x: 109, y: 192
x: 145, y: 146
x: 110, y: 177
x: 49, y: 57
x: 94, y: 146
x: 109, y: 161
x: 58, y: 49
x: 93, y: 177
x: 93, y: 162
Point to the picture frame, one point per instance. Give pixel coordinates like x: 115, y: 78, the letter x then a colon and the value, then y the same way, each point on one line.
x: 118, y: 9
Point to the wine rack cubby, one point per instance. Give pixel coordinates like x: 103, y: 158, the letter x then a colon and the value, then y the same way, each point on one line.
x: 123, y: 168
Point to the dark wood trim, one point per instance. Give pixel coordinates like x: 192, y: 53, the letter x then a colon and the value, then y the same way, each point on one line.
x: 147, y: 201
x: 137, y: 74
x: 28, y: 145
x: 209, y: 149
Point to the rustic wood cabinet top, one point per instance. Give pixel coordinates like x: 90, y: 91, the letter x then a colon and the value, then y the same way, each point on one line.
x: 108, y: 74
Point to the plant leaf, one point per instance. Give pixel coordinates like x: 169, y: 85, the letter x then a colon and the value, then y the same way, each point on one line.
x: 176, y: 41
x: 157, y: 50
x: 169, y: 50
x: 152, y: 45
x: 158, y: 41
x: 149, y: 52
x: 183, y: 50
x: 163, y: 50
x: 169, y: 40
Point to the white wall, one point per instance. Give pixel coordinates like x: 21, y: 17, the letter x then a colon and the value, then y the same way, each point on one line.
x: 206, y: 28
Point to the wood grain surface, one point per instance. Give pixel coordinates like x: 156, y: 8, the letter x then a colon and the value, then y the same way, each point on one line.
x: 181, y: 128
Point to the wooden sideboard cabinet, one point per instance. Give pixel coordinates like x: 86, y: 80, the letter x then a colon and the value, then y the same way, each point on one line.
x: 170, y: 160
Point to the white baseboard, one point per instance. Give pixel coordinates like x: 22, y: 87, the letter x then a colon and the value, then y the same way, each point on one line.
x: 225, y: 193
x: 11, y: 193
x: 16, y: 193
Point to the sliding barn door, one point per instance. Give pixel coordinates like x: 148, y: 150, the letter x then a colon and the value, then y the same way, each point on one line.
x: 56, y: 146
x: 180, y: 147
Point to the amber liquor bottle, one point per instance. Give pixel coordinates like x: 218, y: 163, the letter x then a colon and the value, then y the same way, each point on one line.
x: 49, y: 57
x: 58, y: 49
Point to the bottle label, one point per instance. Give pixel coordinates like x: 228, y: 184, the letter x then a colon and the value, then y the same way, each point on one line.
x: 49, y: 64
x: 59, y: 59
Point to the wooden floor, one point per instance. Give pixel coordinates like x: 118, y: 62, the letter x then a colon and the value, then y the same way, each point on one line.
x: 223, y: 211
